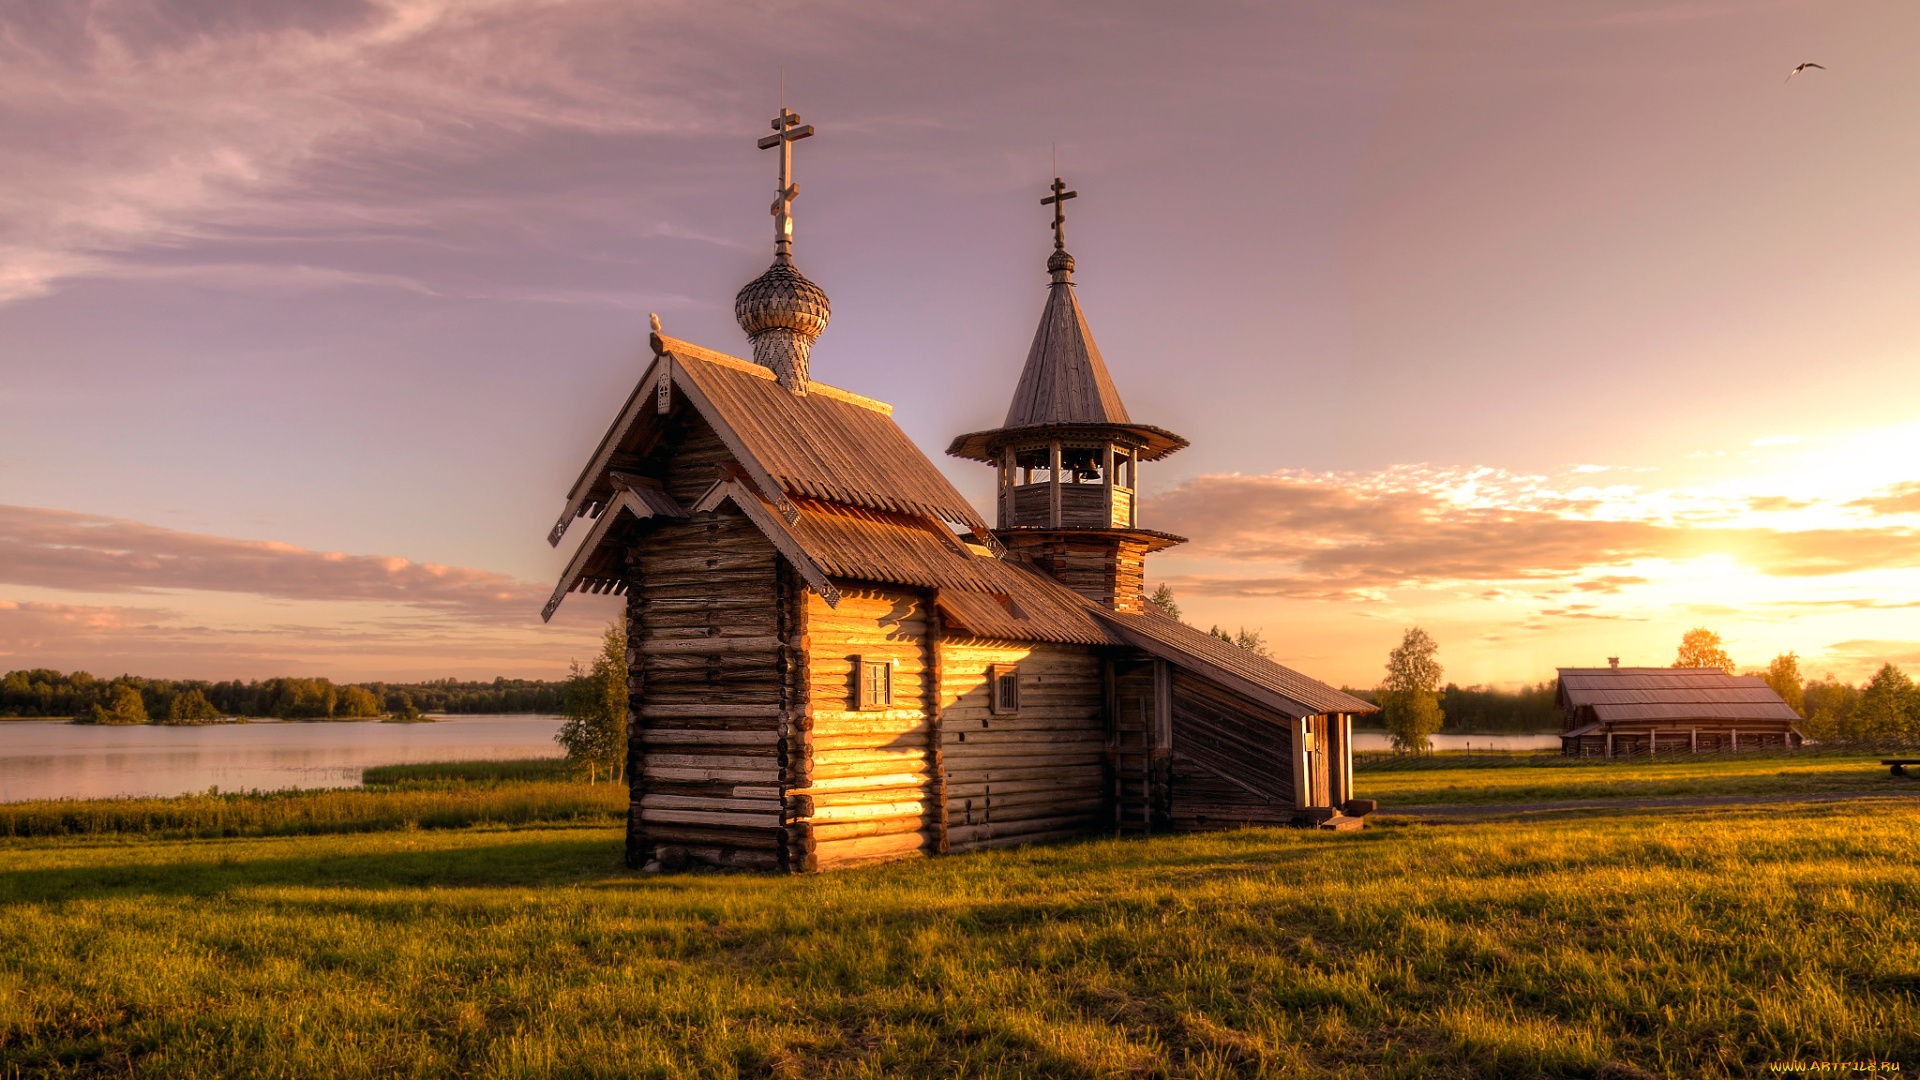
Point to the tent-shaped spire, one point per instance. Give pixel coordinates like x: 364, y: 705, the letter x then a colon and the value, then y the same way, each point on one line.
x: 1065, y: 381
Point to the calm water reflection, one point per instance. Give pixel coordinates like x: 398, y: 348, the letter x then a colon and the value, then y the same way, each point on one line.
x: 1374, y: 740
x: 51, y: 760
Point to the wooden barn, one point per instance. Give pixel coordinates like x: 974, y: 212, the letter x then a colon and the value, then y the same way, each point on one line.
x: 1617, y: 712
x: 835, y: 659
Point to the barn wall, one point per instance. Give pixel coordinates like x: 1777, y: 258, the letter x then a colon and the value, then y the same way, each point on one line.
x: 1034, y: 775
x: 1232, y: 758
x: 874, y: 786
x: 712, y: 689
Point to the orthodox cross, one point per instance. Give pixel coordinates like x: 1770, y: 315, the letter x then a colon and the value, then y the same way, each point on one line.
x: 1058, y: 200
x: 787, y: 130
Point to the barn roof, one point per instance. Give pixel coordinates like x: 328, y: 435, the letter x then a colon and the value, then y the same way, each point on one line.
x: 827, y: 444
x: 1616, y: 694
x: 1231, y: 665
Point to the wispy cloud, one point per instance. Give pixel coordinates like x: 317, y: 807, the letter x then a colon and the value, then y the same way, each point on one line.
x: 163, y: 641
x: 134, y: 125
x: 55, y: 549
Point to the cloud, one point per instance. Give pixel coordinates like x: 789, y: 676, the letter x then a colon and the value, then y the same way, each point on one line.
x: 1776, y: 440
x: 163, y: 642
x: 1872, y: 652
x: 141, y: 125
x: 1898, y: 499
x: 1344, y: 538
x: 56, y: 549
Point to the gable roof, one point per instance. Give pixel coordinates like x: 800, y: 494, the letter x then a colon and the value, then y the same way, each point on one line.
x: 1223, y: 662
x: 1065, y: 381
x: 1671, y: 694
x: 828, y: 444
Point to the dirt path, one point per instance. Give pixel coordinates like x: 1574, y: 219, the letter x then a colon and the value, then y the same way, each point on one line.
x: 1681, y: 802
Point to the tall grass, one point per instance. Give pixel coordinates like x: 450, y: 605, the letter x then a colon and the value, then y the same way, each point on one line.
x: 439, y: 796
x: 1489, y: 780
x: 1695, y: 946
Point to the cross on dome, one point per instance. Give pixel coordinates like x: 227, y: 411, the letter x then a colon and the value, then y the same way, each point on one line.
x: 787, y: 131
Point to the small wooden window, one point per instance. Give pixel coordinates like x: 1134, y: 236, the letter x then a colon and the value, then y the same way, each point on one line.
x: 1003, y: 689
x: 875, y: 676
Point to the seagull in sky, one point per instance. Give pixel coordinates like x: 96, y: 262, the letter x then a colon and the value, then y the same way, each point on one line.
x: 1798, y: 68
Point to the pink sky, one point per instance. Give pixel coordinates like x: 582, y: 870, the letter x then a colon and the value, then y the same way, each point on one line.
x: 1556, y: 329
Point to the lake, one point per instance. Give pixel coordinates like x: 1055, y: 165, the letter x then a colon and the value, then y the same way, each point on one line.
x: 54, y: 760
x: 1377, y: 740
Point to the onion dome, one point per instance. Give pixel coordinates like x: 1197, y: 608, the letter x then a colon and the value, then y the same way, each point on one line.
x: 782, y: 313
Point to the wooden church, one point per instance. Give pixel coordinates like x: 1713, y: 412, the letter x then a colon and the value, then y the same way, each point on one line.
x: 835, y: 659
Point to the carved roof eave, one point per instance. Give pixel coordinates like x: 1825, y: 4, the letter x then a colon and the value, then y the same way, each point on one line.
x: 636, y: 498
x: 1153, y: 443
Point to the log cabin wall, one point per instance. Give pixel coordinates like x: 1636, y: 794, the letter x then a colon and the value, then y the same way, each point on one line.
x: 1232, y: 758
x: 874, y: 791
x: 1107, y: 569
x: 713, y: 683
x: 1036, y: 773
x: 710, y: 684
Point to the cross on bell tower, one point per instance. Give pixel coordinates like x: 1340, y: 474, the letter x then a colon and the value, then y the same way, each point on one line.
x: 787, y: 130
x: 1058, y: 200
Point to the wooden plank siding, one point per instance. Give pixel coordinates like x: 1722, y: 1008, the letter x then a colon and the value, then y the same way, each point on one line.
x: 1232, y: 759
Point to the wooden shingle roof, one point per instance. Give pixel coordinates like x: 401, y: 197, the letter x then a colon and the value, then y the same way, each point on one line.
x: 1671, y: 694
x: 1065, y: 381
x: 828, y: 444
x: 1228, y: 664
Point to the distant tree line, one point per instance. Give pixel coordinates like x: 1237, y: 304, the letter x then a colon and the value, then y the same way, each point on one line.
x: 130, y: 699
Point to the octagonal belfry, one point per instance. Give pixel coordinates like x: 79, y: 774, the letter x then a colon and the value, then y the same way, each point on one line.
x: 1069, y: 456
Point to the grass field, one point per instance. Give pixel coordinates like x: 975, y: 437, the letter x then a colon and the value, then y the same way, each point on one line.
x: 1470, y: 780
x: 437, y: 796
x: 1705, y: 944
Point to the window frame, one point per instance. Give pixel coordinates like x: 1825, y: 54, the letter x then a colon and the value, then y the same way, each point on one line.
x: 865, y: 695
x: 1003, y: 677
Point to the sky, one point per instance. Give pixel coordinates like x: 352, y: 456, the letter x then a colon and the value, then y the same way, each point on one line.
x: 1556, y: 330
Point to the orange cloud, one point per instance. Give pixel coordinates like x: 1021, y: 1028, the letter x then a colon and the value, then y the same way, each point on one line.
x: 1342, y: 538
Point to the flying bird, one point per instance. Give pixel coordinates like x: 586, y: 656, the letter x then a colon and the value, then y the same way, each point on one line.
x: 1798, y: 68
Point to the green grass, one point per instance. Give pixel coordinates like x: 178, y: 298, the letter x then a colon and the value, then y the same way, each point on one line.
x: 1463, y: 781
x: 469, y: 772
x: 1706, y: 944
x: 440, y: 796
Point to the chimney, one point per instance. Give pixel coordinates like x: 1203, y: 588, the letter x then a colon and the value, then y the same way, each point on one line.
x: 1613, y: 662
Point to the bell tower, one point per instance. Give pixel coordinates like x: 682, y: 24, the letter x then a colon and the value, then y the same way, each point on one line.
x: 1068, y: 455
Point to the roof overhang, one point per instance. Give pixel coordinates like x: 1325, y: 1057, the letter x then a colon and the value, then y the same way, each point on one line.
x: 636, y: 498
x: 1211, y: 672
x: 1153, y: 539
x: 1153, y: 443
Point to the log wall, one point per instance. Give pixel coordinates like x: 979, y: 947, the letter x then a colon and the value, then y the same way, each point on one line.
x: 1037, y: 774
x: 1106, y: 568
x: 712, y: 690
x: 874, y: 791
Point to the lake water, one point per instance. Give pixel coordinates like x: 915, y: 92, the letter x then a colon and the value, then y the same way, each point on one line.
x: 1375, y: 740
x: 54, y: 760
